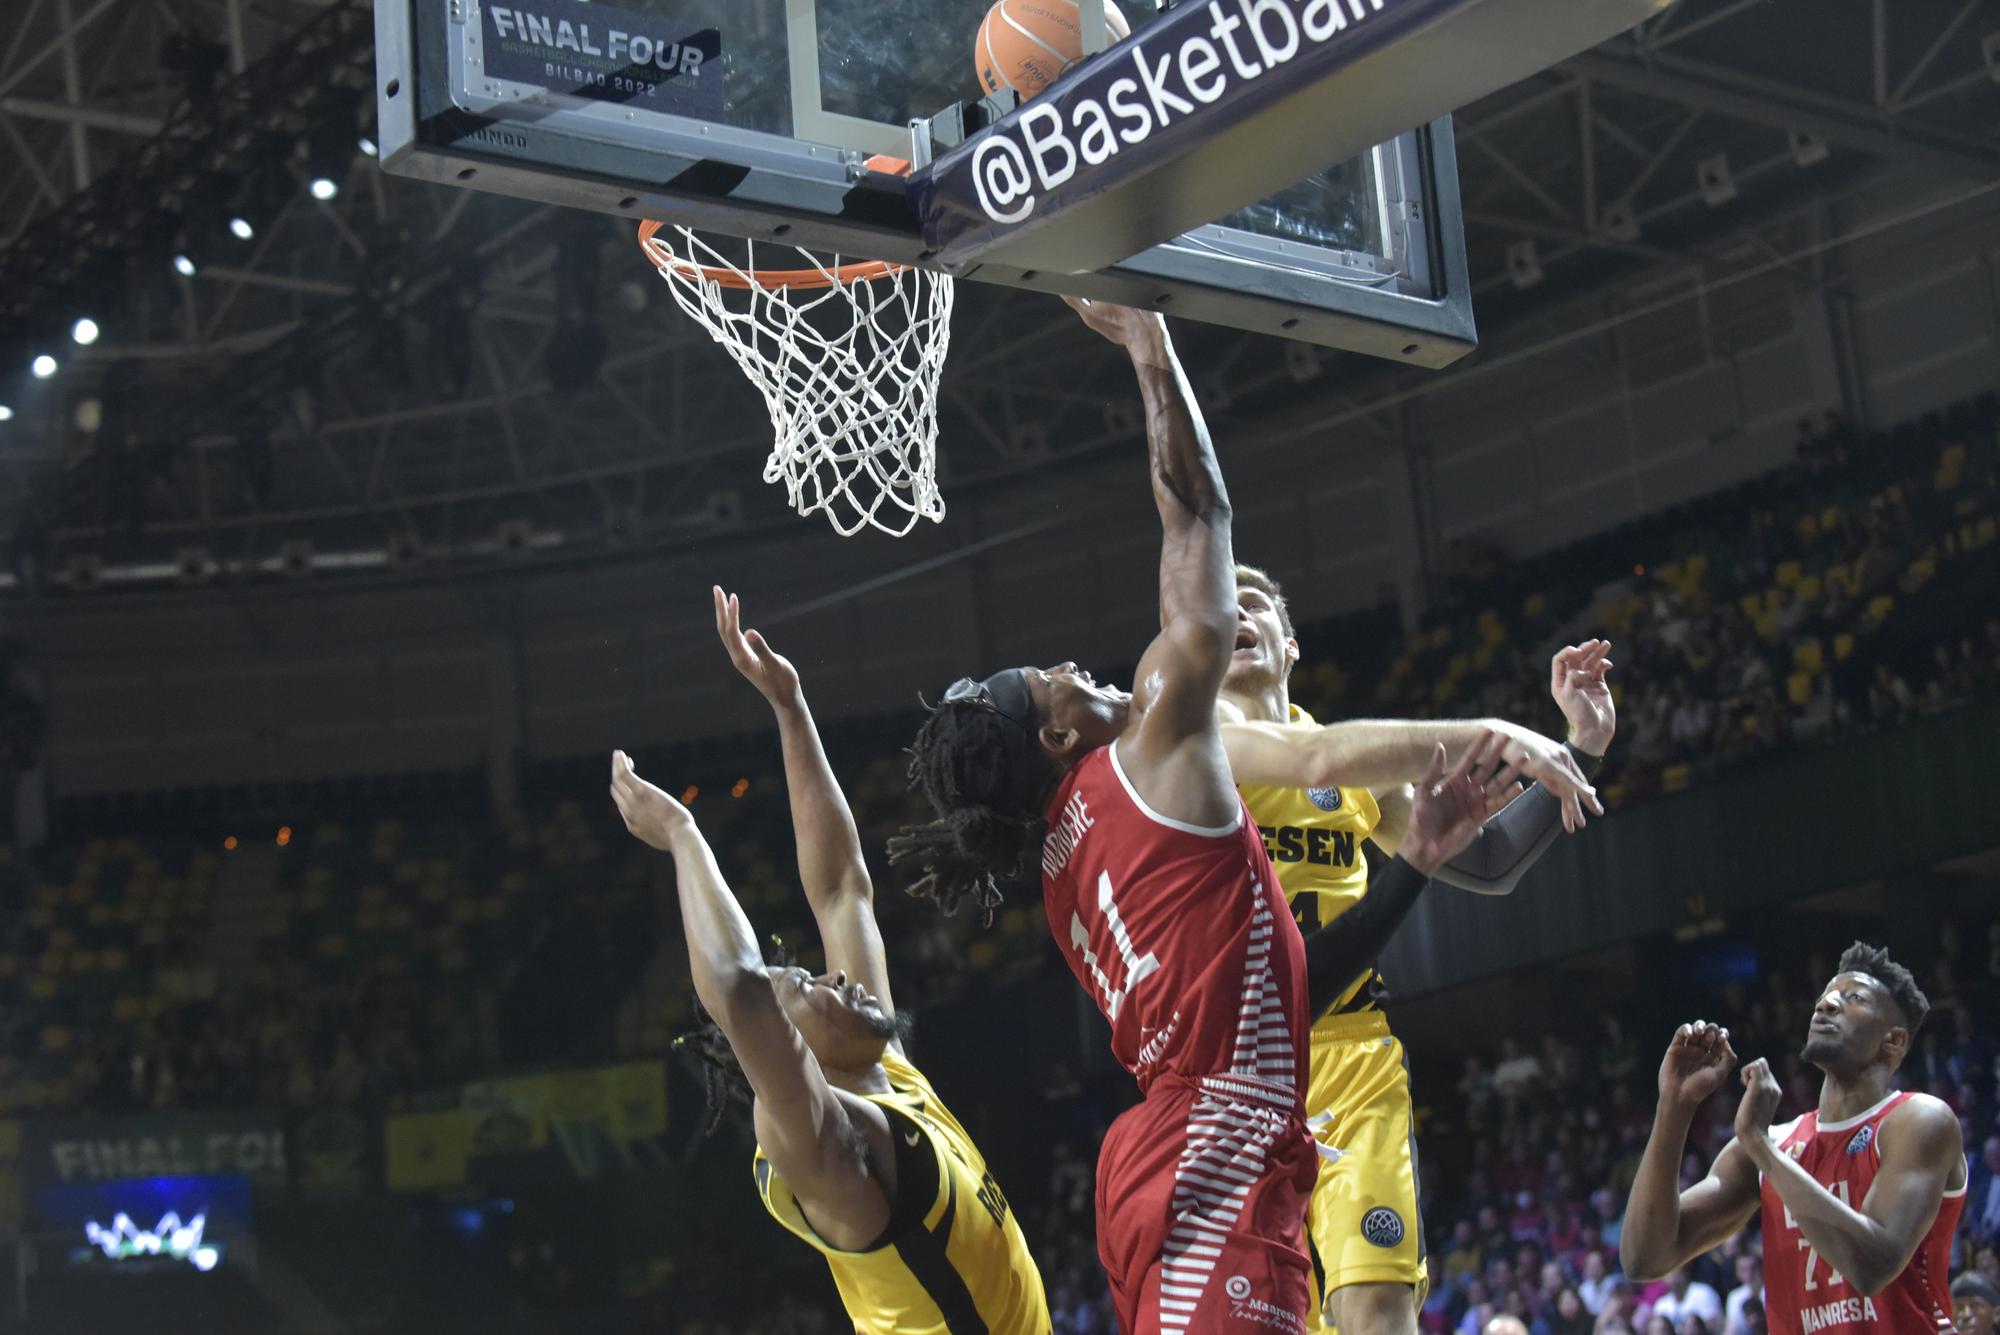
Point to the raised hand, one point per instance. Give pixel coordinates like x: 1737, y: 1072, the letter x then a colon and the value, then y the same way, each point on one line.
x: 1760, y: 1101
x: 1134, y: 330
x: 1697, y: 1063
x: 1576, y: 680
x: 1446, y: 810
x: 762, y: 666
x: 653, y: 817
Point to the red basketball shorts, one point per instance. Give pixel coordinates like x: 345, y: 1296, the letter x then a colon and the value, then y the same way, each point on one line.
x: 1201, y: 1202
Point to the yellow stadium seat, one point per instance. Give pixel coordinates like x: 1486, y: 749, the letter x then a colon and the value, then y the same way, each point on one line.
x: 83, y: 961
x: 55, y: 1038
x: 399, y: 915
x: 1799, y: 688
x: 982, y: 954
x: 1807, y: 527
x: 1674, y: 778
x: 332, y: 946
x: 42, y: 989
x: 1751, y: 603
x: 1808, y: 590
x: 1880, y: 606
x: 1989, y: 527
x: 127, y: 1010
x: 1535, y: 604
x: 1789, y: 573
x: 368, y: 919
x: 1808, y: 657
x: 112, y: 960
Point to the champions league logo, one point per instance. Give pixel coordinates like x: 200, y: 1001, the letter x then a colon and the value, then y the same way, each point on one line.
x: 1326, y: 799
x: 1383, y: 1227
x: 1861, y: 1141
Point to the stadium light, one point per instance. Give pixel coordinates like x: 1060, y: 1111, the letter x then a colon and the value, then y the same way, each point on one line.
x: 367, y: 147
x: 240, y: 228
x: 323, y: 188
x: 43, y: 366
x: 184, y: 266
x: 6, y: 413
x: 84, y: 331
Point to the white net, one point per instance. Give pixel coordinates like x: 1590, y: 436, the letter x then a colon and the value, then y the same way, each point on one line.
x: 848, y: 359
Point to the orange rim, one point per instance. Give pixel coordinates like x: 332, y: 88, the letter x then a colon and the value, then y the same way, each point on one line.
x: 663, y: 257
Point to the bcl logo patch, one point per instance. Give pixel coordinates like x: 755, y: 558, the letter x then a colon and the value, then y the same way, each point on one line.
x: 1383, y: 1227
x: 1236, y: 1287
x: 1326, y: 799
x: 1862, y: 1140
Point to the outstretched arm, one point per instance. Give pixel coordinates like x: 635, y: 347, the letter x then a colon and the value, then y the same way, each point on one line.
x: 1868, y: 1245
x: 1666, y: 1227
x: 831, y: 866
x: 801, y: 1124
x: 1180, y: 673
x: 1385, y: 754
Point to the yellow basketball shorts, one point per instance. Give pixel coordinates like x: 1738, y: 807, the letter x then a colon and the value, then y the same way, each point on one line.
x: 1362, y: 1225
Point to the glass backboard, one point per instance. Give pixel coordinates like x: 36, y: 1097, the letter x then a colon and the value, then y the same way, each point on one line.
x: 758, y: 118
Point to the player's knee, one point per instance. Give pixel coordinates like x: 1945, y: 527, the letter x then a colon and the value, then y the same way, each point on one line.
x: 1374, y: 1309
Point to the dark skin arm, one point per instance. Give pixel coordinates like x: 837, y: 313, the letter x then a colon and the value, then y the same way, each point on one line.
x: 831, y: 867
x: 812, y: 1133
x: 1172, y: 747
x: 1666, y: 1227
x: 1868, y: 1246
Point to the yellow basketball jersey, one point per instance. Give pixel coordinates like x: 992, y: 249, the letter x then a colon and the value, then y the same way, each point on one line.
x: 953, y: 1261
x: 1314, y: 838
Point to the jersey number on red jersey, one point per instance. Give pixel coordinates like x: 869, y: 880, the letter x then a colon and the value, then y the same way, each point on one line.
x: 1137, y: 968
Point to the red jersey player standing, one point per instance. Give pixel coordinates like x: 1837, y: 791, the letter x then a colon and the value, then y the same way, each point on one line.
x: 1860, y: 1196
x: 1161, y: 896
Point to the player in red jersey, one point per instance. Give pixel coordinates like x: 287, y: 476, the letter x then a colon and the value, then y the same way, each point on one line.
x: 1860, y: 1197
x: 1159, y: 891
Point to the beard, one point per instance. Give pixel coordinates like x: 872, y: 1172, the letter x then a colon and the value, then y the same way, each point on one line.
x: 890, y: 1028
x: 1820, y: 1049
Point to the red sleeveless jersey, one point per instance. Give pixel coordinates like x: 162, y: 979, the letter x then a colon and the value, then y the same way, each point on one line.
x: 1180, y: 932
x: 1803, y: 1294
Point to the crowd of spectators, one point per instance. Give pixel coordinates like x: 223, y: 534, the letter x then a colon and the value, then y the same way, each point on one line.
x: 1834, y: 596
x: 1533, y: 1152
x: 1843, y: 592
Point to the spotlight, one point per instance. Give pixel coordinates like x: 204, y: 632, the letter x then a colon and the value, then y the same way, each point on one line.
x: 323, y: 188
x: 1715, y: 181
x: 1524, y: 264
x: 183, y: 266
x: 6, y: 413
x: 84, y: 331
x: 367, y: 147
x: 240, y: 228
x: 43, y: 366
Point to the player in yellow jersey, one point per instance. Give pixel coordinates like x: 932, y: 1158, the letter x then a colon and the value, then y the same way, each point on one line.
x: 1317, y: 792
x: 856, y: 1155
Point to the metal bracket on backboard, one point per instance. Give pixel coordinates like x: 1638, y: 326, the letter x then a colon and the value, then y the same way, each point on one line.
x: 932, y: 135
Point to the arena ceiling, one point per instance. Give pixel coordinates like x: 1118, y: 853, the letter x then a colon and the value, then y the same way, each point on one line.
x: 368, y: 381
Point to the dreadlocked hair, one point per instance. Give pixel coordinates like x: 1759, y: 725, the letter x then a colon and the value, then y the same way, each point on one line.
x: 964, y: 762
x: 723, y: 1083
x: 1902, y: 984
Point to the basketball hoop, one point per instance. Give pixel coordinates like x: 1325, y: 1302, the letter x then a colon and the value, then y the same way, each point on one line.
x: 847, y: 357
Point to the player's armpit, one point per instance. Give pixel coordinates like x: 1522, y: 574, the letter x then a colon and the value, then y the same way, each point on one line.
x: 802, y: 1125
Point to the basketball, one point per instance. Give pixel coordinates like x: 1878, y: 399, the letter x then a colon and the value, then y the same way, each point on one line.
x: 1026, y: 45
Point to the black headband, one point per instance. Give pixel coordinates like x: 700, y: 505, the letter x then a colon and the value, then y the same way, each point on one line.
x: 1006, y: 693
